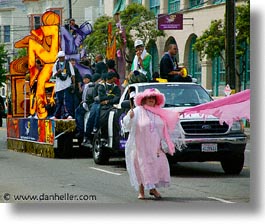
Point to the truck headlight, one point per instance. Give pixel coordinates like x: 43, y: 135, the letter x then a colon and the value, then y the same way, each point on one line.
x: 237, y: 126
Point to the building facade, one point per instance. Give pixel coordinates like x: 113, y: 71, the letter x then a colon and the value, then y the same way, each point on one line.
x: 18, y: 17
x: 197, y: 17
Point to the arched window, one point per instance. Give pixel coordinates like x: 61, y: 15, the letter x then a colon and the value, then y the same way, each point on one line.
x: 194, y: 63
x: 171, y: 40
x: 218, y: 75
x: 155, y: 58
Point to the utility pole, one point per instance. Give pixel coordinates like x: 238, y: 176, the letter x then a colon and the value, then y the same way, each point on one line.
x: 70, y: 8
x: 230, y: 47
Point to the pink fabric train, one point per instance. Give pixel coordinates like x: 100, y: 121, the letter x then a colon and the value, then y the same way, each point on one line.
x: 228, y: 109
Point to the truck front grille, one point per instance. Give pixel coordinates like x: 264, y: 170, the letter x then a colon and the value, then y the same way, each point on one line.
x: 204, y: 127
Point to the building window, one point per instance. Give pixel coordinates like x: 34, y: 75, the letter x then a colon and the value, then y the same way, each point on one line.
x: 194, y: 63
x: 35, y: 21
x: 137, y: 1
x: 119, y: 6
x: 155, y: 6
x: 218, y: 75
x: 6, y: 34
x: 173, y: 6
x: 218, y: 1
x: 196, y: 3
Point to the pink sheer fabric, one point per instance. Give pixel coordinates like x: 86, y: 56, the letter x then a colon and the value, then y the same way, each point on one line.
x: 228, y: 109
x: 170, y: 119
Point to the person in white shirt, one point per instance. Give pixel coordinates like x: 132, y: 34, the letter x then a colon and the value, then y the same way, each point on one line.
x: 64, y: 73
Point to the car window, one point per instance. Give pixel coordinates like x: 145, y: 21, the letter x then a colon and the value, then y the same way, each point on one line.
x: 178, y: 95
x: 128, y: 92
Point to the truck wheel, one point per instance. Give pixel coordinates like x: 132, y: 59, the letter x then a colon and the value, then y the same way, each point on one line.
x: 233, y: 164
x: 100, y: 153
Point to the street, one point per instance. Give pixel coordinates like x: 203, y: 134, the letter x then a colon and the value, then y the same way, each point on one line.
x: 28, y: 178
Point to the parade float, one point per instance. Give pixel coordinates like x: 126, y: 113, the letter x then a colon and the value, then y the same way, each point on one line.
x: 31, y: 93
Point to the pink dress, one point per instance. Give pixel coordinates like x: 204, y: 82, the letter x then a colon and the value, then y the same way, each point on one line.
x: 145, y: 161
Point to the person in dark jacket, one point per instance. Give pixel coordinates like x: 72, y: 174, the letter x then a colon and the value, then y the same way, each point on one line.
x: 83, y: 107
x: 100, y: 66
x: 71, y: 27
x: 108, y: 94
x: 169, y: 68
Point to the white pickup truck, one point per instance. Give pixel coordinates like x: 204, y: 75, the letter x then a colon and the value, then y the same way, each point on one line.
x: 206, y: 139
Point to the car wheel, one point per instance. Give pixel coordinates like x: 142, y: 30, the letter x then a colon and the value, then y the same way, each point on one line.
x: 233, y: 164
x: 100, y: 152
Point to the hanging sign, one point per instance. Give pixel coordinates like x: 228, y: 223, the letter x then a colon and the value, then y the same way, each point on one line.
x: 170, y: 22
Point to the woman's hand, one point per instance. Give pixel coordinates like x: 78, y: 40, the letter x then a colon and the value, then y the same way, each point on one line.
x: 131, y: 114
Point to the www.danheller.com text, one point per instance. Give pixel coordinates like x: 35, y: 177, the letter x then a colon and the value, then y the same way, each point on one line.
x: 48, y: 197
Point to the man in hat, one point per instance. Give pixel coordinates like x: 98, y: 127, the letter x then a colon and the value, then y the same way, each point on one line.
x: 64, y: 73
x: 142, y: 61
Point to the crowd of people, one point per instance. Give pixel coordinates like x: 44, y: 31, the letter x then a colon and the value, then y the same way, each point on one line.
x: 76, y: 95
x: 96, y: 92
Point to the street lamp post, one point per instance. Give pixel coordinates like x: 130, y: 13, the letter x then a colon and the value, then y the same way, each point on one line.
x: 230, y: 49
x: 70, y: 8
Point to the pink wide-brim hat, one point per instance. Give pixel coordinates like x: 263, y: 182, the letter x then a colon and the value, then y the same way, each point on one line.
x: 160, y: 97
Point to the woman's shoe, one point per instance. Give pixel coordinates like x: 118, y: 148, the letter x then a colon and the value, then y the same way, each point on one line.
x: 155, y: 193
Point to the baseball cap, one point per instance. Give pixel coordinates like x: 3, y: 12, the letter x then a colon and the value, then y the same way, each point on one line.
x: 60, y: 54
x: 138, y: 43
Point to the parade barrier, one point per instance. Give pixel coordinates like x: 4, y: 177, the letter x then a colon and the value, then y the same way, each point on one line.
x: 41, y: 137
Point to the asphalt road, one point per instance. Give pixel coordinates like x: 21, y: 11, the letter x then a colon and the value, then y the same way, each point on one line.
x: 28, y: 178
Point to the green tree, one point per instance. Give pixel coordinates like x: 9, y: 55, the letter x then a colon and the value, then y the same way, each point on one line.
x: 140, y: 23
x: 243, y: 28
x: 3, y: 56
x: 21, y: 53
x: 212, y: 42
x: 97, y: 42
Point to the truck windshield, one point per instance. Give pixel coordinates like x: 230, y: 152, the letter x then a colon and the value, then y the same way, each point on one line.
x: 181, y: 95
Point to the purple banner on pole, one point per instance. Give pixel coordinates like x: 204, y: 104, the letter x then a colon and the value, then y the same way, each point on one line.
x: 170, y: 22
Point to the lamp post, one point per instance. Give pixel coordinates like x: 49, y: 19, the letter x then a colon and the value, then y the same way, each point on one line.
x: 70, y: 8
x: 230, y: 46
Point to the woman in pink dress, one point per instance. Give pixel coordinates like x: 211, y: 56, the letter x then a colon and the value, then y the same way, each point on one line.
x: 148, y: 124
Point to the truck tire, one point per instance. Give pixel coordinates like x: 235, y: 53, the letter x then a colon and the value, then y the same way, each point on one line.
x: 233, y: 164
x: 100, y: 152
